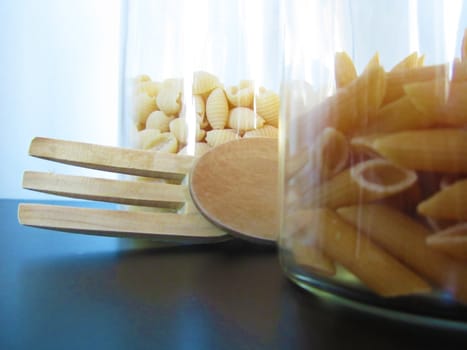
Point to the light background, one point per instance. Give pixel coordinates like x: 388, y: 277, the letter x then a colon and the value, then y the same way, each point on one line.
x: 59, y: 72
x: 60, y: 66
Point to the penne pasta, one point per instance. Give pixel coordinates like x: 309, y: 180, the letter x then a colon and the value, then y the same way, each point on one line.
x: 405, y: 201
x: 399, y: 115
x: 309, y: 257
x: 328, y: 156
x: 428, y: 97
x: 436, y: 150
x: 411, y: 61
x: 397, y: 79
x: 330, y: 153
x: 361, y: 147
x: 349, y: 109
x: 421, y: 61
x: 449, y: 203
x: 455, y: 109
x: 340, y: 241
x: 345, y: 71
x: 405, y: 239
x: 451, y: 241
x: 365, y: 182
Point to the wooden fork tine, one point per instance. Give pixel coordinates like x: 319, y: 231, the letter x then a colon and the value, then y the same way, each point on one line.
x: 108, y: 190
x: 113, y: 159
x: 121, y: 223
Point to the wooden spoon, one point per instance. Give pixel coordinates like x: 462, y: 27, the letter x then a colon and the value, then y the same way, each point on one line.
x: 234, y: 186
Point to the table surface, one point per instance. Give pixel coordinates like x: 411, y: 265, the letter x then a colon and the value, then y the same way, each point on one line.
x: 70, y: 291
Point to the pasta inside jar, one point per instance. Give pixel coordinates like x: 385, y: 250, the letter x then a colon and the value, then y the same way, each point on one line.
x: 387, y: 225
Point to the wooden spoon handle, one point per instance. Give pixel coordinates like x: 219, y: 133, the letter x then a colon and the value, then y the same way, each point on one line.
x: 113, y: 159
x: 108, y: 190
x: 120, y: 223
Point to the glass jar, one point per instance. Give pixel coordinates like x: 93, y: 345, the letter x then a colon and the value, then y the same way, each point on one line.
x: 196, y: 74
x: 199, y: 73
x: 373, y: 154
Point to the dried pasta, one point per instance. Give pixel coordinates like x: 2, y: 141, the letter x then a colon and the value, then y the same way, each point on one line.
x: 179, y: 128
x: 328, y: 156
x: 362, y: 146
x: 459, y: 70
x: 241, y: 95
x: 267, y: 105
x: 448, y: 203
x: 398, y: 115
x: 310, y: 257
x: 146, y: 138
x: 350, y: 108
x: 200, y: 106
x: 217, y: 137
x: 435, y: 150
x: 455, y: 109
x: 365, y: 182
x: 160, y: 107
x: 411, y: 61
x: 451, y: 241
x: 217, y: 109
x: 265, y: 131
x: 204, y: 82
x: 158, y: 120
x: 143, y: 105
x: 345, y: 71
x: 142, y: 78
x: 398, y: 78
x: 244, y: 119
x: 149, y: 87
x: 429, y: 96
x: 164, y: 143
x: 169, y: 97
x: 378, y: 270
x: 199, y: 149
x: 405, y: 239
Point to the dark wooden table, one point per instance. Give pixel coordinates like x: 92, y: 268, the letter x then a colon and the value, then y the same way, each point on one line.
x: 66, y: 291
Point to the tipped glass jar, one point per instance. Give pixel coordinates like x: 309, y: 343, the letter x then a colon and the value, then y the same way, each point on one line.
x: 374, y: 154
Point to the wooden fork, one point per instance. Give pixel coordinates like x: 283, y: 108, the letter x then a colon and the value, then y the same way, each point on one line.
x: 182, y: 223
